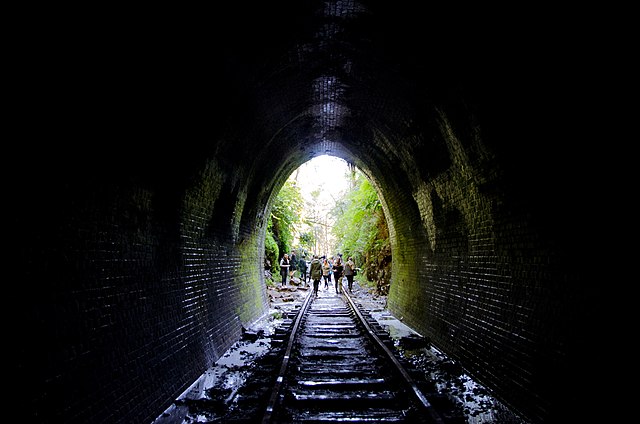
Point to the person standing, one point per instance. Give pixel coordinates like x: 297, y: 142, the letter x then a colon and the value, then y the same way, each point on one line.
x: 316, y: 273
x: 349, y: 268
x: 302, y: 265
x: 338, y: 269
x: 284, y: 268
x: 330, y: 260
x: 326, y: 268
x: 293, y: 264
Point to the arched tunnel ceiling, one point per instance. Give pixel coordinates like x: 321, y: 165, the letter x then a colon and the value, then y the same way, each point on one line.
x: 328, y: 77
x: 129, y: 105
x: 354, y: 79
x: 340, y: 72
x: 342, y: 77
x: 369, y: 81
x: 329, y: 106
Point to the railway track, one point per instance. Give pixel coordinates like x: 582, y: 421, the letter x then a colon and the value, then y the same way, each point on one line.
x: 338, y: 365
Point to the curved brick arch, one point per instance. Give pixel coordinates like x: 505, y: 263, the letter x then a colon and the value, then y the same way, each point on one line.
x: 141, y: 227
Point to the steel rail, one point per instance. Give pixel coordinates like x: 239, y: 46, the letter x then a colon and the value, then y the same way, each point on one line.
x: 273, y: 400
x: 415, y: 390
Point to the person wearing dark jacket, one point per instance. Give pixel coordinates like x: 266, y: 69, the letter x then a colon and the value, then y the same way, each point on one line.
x: 349, y: 271
x: 302, y: 265
x: 315, y: 270
x: 293, y: 264
x: 338, y: 268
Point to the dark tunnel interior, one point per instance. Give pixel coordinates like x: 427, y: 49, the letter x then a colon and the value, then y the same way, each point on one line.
x: 153, y: 142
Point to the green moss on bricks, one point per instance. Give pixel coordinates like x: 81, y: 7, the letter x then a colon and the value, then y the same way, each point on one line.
x: 237, y: 212
x: 252, y: 299
x: 457, y: 220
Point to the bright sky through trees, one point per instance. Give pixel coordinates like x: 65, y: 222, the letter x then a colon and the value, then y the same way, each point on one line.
x: 327, y: 173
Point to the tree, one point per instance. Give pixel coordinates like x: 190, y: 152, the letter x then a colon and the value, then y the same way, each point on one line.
x: 285, y: 216
x: 361, y: 230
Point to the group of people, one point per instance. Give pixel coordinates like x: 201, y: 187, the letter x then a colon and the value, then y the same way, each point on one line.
x: 289, y: 264
x: 319, y: 269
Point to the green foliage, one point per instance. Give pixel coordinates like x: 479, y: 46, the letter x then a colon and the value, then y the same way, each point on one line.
x: 313, y: 227
x: 362, y: 232
x: 271, y: 250
x: 307, y: 241
x: 378, y: 256
x: 285, y: 215
x: 269, y: 280
x: 360, y: 229
x: 357, y: 216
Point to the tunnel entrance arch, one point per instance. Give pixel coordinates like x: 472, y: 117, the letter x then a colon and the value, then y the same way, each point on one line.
x: 144, y: 256
x: 338, y: 212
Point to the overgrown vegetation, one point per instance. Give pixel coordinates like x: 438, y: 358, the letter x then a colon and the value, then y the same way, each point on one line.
x: 362, y: 233
x: 285, y: 217
x: 359, y: 230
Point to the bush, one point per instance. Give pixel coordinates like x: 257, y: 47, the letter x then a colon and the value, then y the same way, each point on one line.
x: 271, y: 251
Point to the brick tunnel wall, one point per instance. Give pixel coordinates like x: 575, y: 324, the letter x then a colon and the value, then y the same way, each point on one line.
x: 485, y: 261
x: 134, y: 288
x: 138, y: 279
x: 135, y: 277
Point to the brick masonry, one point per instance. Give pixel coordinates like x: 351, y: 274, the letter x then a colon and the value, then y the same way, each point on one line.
x: 134, y: 301
x: 145, y: 276
x: 146, y: 167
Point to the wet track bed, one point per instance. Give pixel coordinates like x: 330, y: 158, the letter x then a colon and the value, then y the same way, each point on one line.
x: 329, y: 377
x: 339, y: 367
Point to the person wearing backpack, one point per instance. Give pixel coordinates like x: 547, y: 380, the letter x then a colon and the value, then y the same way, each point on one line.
x: 302, y: 266
x: 338, y: 269
x: 349, y: 272
x: 316, y: 273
